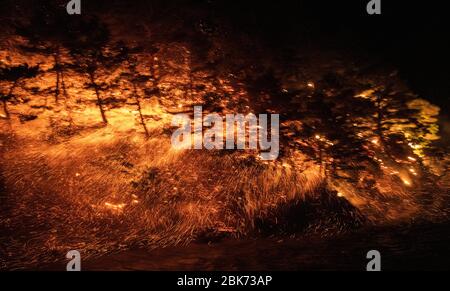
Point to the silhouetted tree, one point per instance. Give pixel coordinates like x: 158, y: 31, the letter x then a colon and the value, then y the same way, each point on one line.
x: 95, y: 57
x: 47, y: 34
x: 136, y: 80
x: 352, y: 129
x: 14, y: 75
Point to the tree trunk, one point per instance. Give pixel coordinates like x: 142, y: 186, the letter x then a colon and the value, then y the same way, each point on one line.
x: 5, y: 109
x: 57, y: 70
x: 5, y: 100
x: 63, y: 85
x: 66, y: 98
x: 57, y: 88
x: 99, y: 100
x: 138, y: 103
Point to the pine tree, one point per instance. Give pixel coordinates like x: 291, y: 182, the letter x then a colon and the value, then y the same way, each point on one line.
x: 138, y: 82
x: 47, y: 34
x: 96, y: 57
x: 14, y: 75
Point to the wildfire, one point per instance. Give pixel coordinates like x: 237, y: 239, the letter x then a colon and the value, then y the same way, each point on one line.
x: 179, y: 193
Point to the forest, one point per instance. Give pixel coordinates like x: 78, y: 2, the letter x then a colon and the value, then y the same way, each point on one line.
x: 86, y: 121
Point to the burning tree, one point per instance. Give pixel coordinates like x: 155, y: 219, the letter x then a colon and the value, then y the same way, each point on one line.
x: 47, y: 34
x: 137, y: 81
x: 357, y: 131
x: 14, y: 75
x: 94, y: 56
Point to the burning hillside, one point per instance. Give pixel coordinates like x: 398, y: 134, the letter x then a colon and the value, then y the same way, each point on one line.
x: 86, y: 122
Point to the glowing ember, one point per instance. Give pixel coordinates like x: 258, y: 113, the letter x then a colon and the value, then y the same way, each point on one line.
x: 406, y: 182
x: 117, y: 207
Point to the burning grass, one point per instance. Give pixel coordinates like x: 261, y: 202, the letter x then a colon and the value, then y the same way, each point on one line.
x: 104, y: 189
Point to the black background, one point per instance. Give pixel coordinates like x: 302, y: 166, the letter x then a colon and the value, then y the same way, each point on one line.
x: 411, y: 35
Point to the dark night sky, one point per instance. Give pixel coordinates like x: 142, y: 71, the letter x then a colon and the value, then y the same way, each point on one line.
x: 412, y: 36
